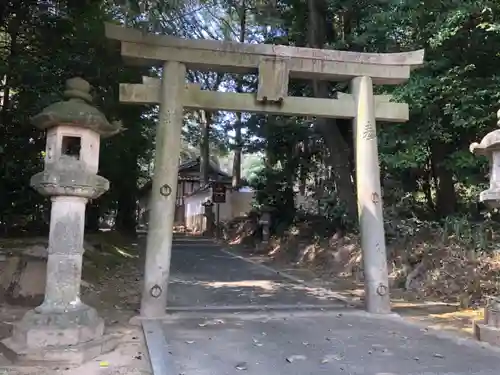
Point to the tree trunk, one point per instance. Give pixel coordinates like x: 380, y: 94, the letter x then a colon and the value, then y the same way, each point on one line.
x: 237, y: 128
x: 303, y: 170
x: 13, y: 31
x: 205, y: 147
x: 92, y: 217
x: 237, y: 153
x: 125, y: 183
x: 446, y: 197
x: 126, y: 217
x: 337, y: 146
x: 426, y: 187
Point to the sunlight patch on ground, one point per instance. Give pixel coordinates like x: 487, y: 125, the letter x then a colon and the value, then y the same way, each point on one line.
x: 462, y: 314
x: 427, y: 304
x: 461, y: 321
x: 262, y: 284
x: 318, y: 292
x: 124, y: 252
x: 236, y: 241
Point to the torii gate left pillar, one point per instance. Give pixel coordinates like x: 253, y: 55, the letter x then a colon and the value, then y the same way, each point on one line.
x: 275, y: 64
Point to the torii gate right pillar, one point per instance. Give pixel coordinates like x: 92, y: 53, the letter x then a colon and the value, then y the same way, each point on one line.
x: 370, y: 212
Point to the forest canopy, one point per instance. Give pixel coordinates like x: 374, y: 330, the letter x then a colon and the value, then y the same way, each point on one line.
x: 427, y: 170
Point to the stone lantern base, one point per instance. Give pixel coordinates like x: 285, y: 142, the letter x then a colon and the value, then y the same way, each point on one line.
x: 66, y: 356
x: 488, y: 330
x: 69, y: 337
x: 487, y: 333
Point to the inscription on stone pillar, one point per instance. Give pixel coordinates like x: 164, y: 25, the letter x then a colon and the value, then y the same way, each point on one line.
x: 369, y: 131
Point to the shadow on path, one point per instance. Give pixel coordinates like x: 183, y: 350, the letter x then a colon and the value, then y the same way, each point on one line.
x: 205, y: 276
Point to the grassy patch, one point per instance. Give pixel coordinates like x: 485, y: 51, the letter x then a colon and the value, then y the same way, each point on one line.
x: 108, y: 251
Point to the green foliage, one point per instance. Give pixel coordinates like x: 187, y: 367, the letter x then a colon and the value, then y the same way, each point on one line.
x: 274, y: 191
x: 44, y: 44
x: 427, y: 171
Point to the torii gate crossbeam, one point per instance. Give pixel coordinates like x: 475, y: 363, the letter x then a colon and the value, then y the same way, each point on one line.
x: 274, y: 65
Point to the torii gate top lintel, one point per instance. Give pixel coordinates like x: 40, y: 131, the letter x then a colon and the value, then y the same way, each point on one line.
x: 146, y: 49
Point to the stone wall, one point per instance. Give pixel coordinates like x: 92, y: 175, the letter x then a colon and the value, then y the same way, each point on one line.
x: 241, y: 203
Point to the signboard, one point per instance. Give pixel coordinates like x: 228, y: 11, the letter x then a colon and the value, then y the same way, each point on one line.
x: 218, y: 193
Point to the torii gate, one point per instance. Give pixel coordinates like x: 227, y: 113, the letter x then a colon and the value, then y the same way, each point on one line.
x: 274, y: 64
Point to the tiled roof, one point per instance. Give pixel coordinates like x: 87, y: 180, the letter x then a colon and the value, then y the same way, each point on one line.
x: 224, y: 177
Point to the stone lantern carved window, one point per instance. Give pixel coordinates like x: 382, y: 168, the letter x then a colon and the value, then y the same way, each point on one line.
x: 71, y: 146
x: 74, y: 145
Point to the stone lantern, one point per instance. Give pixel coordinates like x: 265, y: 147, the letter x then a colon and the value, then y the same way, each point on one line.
x: 265, y: 222
x: 490, y: 147
x: 488, y: 330
x: 63, y: 329
x: 208, y: 207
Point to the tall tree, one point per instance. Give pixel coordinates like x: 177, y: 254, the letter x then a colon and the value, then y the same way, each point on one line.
x: 238, y: 141
x: 338, y: 146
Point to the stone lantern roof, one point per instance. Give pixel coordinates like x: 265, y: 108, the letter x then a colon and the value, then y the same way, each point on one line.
x: 77, y: 111
x: 490, y: 143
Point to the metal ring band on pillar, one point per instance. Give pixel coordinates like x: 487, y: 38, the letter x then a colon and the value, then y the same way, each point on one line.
x: 165, y: 190
x: 382, y: 290
x: 155, y: 291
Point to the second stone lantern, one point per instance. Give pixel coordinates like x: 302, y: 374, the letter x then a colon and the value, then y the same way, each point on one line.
x: 63, y: 329
x: 488, y: 330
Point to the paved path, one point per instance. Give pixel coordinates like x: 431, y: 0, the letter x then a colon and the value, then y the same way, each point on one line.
x: 352, y: 343
x: 292, y: 342
x: 204, y: 276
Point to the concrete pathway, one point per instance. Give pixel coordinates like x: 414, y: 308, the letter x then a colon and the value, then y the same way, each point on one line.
x: 212, y: 338
x: 205, y: 277
x: 309, y: 342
